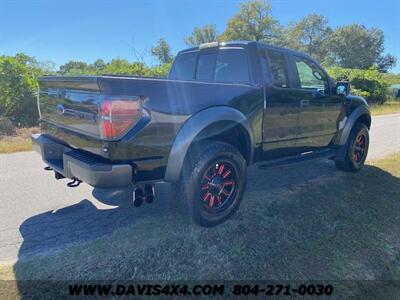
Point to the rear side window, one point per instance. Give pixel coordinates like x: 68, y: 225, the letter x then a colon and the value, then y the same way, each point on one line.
x: 278, y: 69
x: 205, y: 67
x: 232, y: 66
x: 184, y: 65
x: 226, y: 66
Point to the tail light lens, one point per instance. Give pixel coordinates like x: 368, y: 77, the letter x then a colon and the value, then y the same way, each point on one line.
x: 117, y: 116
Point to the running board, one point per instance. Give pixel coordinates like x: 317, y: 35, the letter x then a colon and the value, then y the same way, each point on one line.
x: 311, y: 155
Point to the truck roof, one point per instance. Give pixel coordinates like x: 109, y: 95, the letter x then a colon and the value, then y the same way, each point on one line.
x: 245, y: 43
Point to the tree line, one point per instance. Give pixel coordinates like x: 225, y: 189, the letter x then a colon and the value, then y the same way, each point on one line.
x: 351, y: 51
x: 350, y: 46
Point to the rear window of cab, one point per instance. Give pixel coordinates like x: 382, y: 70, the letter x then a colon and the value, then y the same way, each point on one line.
x: 224, y: 66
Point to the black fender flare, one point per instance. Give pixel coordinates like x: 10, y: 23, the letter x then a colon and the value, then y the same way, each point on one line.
x: 348, y: 126
x: 193, y: 126
x: 354, y: 116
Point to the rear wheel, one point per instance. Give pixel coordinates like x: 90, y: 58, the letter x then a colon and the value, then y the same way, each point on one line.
x: 356, y: 149
x: 212, y: 183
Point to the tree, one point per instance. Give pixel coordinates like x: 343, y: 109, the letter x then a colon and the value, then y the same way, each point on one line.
x: 355, y: 46
x: 73, y: 67
x: 159, y: 71
x: 255, y: 22
x: 206, y: 34
x: 99, y: 65
x: 18, y: 88
x: 162, y: 51
x: 116, y: 66
x: 386, y: 62
x: 123, y: 67
x: 370, y: 83
x: 310, y: 35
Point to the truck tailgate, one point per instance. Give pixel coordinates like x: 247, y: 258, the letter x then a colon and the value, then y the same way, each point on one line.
x: 70, y: 102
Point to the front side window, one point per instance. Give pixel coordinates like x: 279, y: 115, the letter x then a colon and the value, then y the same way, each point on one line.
x: 310, y: 75
x: 278, y: 69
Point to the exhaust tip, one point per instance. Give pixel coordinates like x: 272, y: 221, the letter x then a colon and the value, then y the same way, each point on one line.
x: 58, y: 176
x: 75, y: 182
x: 149, y: 198
x: 149, y: 191
x: 138, y: 197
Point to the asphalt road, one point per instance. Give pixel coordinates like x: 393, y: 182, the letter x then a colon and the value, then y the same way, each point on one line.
x: 39, y: 214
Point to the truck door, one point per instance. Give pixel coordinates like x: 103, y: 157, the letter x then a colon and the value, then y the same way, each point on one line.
x: 281, y: 106
x: 319, y: 108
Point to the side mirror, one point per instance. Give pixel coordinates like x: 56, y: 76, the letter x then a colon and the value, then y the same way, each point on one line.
x: 342, y: 88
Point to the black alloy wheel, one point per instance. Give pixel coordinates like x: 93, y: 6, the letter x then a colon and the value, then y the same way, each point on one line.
x: 212, y: 183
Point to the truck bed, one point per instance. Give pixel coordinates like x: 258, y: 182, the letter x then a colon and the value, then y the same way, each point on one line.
x: 69, y: 108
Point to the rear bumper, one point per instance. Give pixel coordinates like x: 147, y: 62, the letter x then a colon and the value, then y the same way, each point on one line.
x: 78, y: 164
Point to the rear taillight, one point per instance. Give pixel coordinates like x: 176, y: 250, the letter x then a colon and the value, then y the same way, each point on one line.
x: 116, y: 116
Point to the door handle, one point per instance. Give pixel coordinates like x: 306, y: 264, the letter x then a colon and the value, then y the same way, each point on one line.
x: 304, y: 103
x: 318, y: 94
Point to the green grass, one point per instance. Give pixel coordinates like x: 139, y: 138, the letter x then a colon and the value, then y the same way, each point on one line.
x: 12, y: 144
x: 20, y: 140
x: 342, y: 227
x: 387, y: 108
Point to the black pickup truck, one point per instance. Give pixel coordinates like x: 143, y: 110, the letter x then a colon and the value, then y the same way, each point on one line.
x: 223, y: 107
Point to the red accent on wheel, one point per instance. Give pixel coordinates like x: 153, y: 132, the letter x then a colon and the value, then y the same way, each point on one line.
x: 221, y: 169
x: 206, y: 196
x: 226, y: 174
x: 359, y: 148
x: 211, y: 203
x: 218, y: 184
x: 229, y: 182
x: 225, y: 192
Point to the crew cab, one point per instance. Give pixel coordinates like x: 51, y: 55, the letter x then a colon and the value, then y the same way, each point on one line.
x: 223, y: 107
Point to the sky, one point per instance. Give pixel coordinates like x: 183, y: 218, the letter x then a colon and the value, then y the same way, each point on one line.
x: 60, y: 30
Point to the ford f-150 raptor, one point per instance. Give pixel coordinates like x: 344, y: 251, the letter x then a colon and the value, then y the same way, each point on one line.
x: 223, y: 106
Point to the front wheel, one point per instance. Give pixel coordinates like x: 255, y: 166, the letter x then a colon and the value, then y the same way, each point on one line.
x: 212, y: 183
x: 356, y: 149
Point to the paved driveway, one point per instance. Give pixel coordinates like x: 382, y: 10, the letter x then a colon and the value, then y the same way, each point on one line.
x: 39, y: 214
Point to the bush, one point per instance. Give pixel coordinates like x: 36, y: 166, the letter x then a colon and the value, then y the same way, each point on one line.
x: 115, y: 66
x: 6, y: 126
x: 159, y: 71
x: 366, y: 83
x: 392, y: 78
x: 18, y: 86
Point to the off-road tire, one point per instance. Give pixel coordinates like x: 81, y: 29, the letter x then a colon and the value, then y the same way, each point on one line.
x: 353, y: 162
x: 201, y: 159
